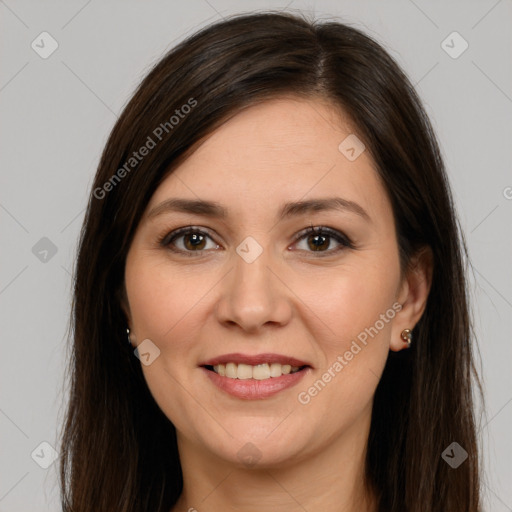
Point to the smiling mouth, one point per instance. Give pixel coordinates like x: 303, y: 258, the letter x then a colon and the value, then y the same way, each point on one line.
x: 257, y: 372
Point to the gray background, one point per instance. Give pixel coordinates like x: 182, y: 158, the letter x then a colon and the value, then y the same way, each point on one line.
x: 57, y: 113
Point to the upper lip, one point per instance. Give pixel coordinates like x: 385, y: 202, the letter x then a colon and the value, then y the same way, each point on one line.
x: 254, y: 360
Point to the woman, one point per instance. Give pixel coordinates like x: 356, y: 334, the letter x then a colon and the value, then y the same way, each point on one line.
x: 272, y: 224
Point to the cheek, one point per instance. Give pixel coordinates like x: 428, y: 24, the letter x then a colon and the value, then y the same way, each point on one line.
x: 351, y: 299
x: 358, y: 308
x: 354, y: 352
x: 163, y: 305
x: 160, y: 298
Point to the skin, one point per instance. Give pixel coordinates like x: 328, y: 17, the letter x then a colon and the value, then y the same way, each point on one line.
x: 291, y: 300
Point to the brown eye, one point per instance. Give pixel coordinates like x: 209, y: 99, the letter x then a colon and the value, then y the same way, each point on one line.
x: 194, y: 241
x: 320, y: 240
x: 187, y: 240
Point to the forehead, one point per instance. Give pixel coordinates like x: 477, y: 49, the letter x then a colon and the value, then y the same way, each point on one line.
x: 273, y: 152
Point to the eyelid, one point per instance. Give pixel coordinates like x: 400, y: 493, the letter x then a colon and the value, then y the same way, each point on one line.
x: 326, y: 230
x: 340, y: 237
x: 175, y: 233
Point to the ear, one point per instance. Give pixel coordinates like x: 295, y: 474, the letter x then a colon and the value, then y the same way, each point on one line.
x: 413, y: 295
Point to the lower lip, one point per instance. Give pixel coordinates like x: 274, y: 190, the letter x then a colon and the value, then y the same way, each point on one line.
x: 252, y: 389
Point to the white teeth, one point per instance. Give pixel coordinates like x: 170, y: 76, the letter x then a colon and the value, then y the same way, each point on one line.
x: 244, y: 371
x: 286, y: 369
x: 275, y: 370
x: 258, y: 372
x: 220, y: 369
x: 231, y: 370
x: 261, y: 372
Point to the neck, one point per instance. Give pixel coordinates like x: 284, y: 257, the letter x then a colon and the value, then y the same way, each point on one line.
x: 331, y: 480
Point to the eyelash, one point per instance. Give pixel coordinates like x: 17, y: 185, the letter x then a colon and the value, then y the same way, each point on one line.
x: 346, y: 243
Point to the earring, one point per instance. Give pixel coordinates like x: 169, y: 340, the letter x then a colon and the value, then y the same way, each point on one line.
x: 407, y: 336
x: 128, y: 334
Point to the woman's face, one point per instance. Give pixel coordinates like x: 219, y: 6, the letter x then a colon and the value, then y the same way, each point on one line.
x: 248, y: 288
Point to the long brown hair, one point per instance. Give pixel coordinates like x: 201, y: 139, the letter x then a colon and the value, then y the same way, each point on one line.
x: 119, y: 450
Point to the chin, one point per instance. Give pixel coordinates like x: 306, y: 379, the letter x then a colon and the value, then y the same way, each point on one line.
x: 261, y: 448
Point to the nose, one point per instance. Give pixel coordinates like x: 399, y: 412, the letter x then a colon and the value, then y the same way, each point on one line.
x: 254, y: 295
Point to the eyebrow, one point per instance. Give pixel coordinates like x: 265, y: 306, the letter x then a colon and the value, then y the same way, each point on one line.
x: 215, y: 210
